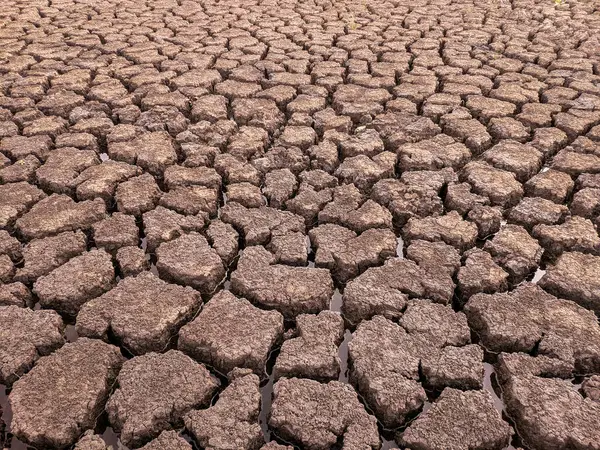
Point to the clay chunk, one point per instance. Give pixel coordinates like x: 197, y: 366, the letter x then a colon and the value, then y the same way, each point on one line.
x: 317, y: 415
x: 68, y: 287
x: 313, y: 353
x: 550, y: 413
x: 155, y: 391
x: 575, y: 276
x: 290, y: 290
x: 64, y: 393
x: 59, y: 213
x: 25, y: 336
x: 232, y: 422
x: 190, y: 261
x: 529, y: 318
x: 459, y: 421
x: 142, y: 312
x: 230, y: 332
x: 168, y: 440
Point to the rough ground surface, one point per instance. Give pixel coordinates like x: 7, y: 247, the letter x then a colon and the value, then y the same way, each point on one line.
x: 340, y: 224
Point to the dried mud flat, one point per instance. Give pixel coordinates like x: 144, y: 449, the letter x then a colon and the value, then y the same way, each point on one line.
x: 320, y: 224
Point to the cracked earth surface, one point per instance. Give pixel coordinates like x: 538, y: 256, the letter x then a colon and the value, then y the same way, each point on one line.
x: 317, y: 224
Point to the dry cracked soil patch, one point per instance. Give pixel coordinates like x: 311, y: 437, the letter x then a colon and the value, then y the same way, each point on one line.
x: 300, y: 224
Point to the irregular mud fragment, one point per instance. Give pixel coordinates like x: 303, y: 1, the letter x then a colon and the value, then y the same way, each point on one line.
x: 523, y: 364
x: 433, y: 154
x: 488, y: 220
x: 15, y: 294
x: 371, y: 248
x: 290, y: 290
x: 515, y: 251
x: 230, y: 332
x: 575, y: 164
x: 532, y: 211
x: 433, y: 179
x: 235, y: 170
x: 385, y: 359
x: 59, y: 213
x: 190, y: 261
x: 368, y: 215
x: 458, y: 367
x: 459, y: 420
x: 434, y: 256
x: 550, y: 413
x: 521, y: 159
x: 586, y: 203
x: 450, y: 229
x: 289, y: 248
x: 10, y: 246
x: 481, y: 274
x: 131, y: 261
x: 575, y: 277
x: 591, y: 388
x: 137, y: 195
x: 162, y: 225
x: 438, y: 323
x: 19, y: 147
x: 41, y: 256
x: 279, y: 186
x: 245, y: 194
x: 191, y: 200
x: 232, y: 422
x: 328, y: 239
x: 317, y: 415
x: 257, y: 224
x: 469, y: 131
x: 313, y: 351
x: 385, y: 290
x: 16, y: 199
x: 25, y: 336
x: 153, y: 152
x: 366, y: 143
x: 397, y: 128
x: 142, y: 313
x: 101, y: 180
x: 62, y: 166
x: 22, y: 170
x: 90, y: 441
x: 308, y: 202
x: 154, y: 392
x: 350, y: 209
x: 364, y: 172
x: 529, y: 318
x: 7, y: 269
x: 116, y: 231
x: 588, y: 180
x: 175, y: 176
x: 460, y: 198
x: 168, y: 439
x: 68, y: 287
x: 223, y: 239
x: 576, y: 234
x: 551, y: 185
x: 500, y: 186
x: 345, y: 199
x: 64, y: 393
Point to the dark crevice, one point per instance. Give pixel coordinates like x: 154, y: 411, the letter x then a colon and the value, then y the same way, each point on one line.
x: 266, y: 394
